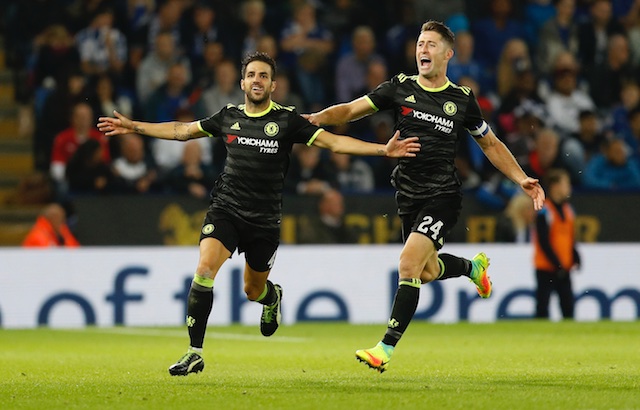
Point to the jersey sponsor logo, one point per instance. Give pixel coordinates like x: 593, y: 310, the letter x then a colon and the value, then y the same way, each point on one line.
x: 440, y: 124
x: 271, y: 129
x: 411, y: 99
x: 267, y: 146
x: 207, y: 229
x: 450, y: 108
x: 235, y: 126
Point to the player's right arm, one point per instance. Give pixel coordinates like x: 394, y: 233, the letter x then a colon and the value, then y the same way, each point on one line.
x: 342, y: 113
x: 170, y: 130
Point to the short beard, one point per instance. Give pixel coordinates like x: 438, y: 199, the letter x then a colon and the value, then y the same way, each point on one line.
x: 256, y: 101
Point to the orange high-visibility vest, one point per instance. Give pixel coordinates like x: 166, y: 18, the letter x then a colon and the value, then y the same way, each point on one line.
x: 561, y: 237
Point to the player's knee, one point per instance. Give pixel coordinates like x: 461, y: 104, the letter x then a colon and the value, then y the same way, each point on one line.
x: 408, y: 268
x: 252, y: 291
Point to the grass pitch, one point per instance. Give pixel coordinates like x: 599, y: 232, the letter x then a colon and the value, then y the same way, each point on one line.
x: 504, y: 365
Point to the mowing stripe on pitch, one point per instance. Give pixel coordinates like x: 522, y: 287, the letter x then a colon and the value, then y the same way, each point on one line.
x: 210, y: 335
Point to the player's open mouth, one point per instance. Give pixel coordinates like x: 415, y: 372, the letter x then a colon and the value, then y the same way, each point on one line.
x: 424, y: 61
x: 256, y: 88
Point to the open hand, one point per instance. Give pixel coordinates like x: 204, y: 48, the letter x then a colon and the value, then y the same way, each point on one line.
x: 531, y: 187
x: 115, y: 126
x: 407, y: 147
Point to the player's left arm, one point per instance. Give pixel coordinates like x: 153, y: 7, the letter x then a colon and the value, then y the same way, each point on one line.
x: 344, y: 144
x: 504, y: 161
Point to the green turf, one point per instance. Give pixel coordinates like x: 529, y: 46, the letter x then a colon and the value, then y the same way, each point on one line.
x: 506, y: 365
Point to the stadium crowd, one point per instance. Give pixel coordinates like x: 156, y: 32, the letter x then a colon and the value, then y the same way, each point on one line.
x: 559, y: 81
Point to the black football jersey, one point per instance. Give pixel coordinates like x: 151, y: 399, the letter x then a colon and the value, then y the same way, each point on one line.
x: 437, y: 116
x: 258, y: 154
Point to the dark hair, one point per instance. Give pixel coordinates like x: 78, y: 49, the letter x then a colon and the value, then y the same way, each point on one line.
x: 554, y: 176
x: 258, y: 56
x: 442, y: 29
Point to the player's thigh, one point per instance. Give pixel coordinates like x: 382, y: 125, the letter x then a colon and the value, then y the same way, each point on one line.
x: 213, y: 254
x: 414, y: 256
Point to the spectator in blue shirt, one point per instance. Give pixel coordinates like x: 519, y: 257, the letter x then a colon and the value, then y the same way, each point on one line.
x: 614, y: 169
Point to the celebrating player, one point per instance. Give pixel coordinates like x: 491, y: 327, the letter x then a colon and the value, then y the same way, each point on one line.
x: 429, y: 199
x: 246, y: 202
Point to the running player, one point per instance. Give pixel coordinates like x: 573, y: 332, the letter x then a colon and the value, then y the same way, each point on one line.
x: 246, y: 202
x: 428, y: 195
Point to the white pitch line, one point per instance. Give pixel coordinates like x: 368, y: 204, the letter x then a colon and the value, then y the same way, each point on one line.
x: 210, y: 335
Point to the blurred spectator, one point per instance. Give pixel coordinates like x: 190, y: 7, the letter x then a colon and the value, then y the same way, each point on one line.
x: 606, y: 78
x: 307, y: 45
x: 628, y: 13
x: 529, y: 119
x: 202, y: 29
x: 192, y: 176
x: 493, y: 32
x: 558, y: 34
x: 55, y: 56
x: 166, y: 19
x: 594, y: 33
x: 633, y: 138
x: 462, y: 64
x: 555, y: 253
x: 51, y: 229
x: 309, y: 173
x: 619, y: 116
x: 283, y: 94
x: 514, y: 59
x: 515, y: 223
x: 155, y: 66
x: 176, y: 93
x: 252, y: 13
x: 382, y: 126
x: 133, y: 171
x: 351, y: 68
x: 268, y: 44
x: 102, y: 47
x: 225, y: 90
x: 566, y: 100
x: 327, y: 226
x: 340, y: 17
x: 590, y: 135
x: 107, y: 98
x: 22, y: 22
x: 354, y: 175
x: 523, y: 91
x: 87, y: 172
x: 204, y: 74
x: 536, y: 14
x: 547, y: 154
x: 138, y: 16
x: 67, y: 141
x: 613, y: 169
x: 399, y: 35
x: 55, y: 115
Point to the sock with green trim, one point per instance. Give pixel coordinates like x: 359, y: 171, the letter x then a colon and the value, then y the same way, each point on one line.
x: 199, y: 304
x: 268, y: 296
x: 404, y: 307
x: 452, y: 266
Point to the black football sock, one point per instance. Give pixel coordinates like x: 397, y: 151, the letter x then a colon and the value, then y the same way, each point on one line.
x: 268, y: 296
x: 453, y: 266
x: 199, y: 304
x: 404, y: 307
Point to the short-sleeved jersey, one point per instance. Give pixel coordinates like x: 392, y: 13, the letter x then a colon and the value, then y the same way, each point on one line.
x: 258, y: 154
x: 437, y: 116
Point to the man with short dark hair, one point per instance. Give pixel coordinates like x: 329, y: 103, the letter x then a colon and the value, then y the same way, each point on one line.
x: 428, y: 195
x: 246, y: 202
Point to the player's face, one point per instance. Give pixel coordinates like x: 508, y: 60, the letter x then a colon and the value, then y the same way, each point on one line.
x: 257, y: 83
x: 432, y: 54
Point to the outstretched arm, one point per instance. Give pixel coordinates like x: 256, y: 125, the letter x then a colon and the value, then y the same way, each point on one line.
x: 341, y: 113
x: 171, y: 130
x: 503, y: 160
x: 344, y: 144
